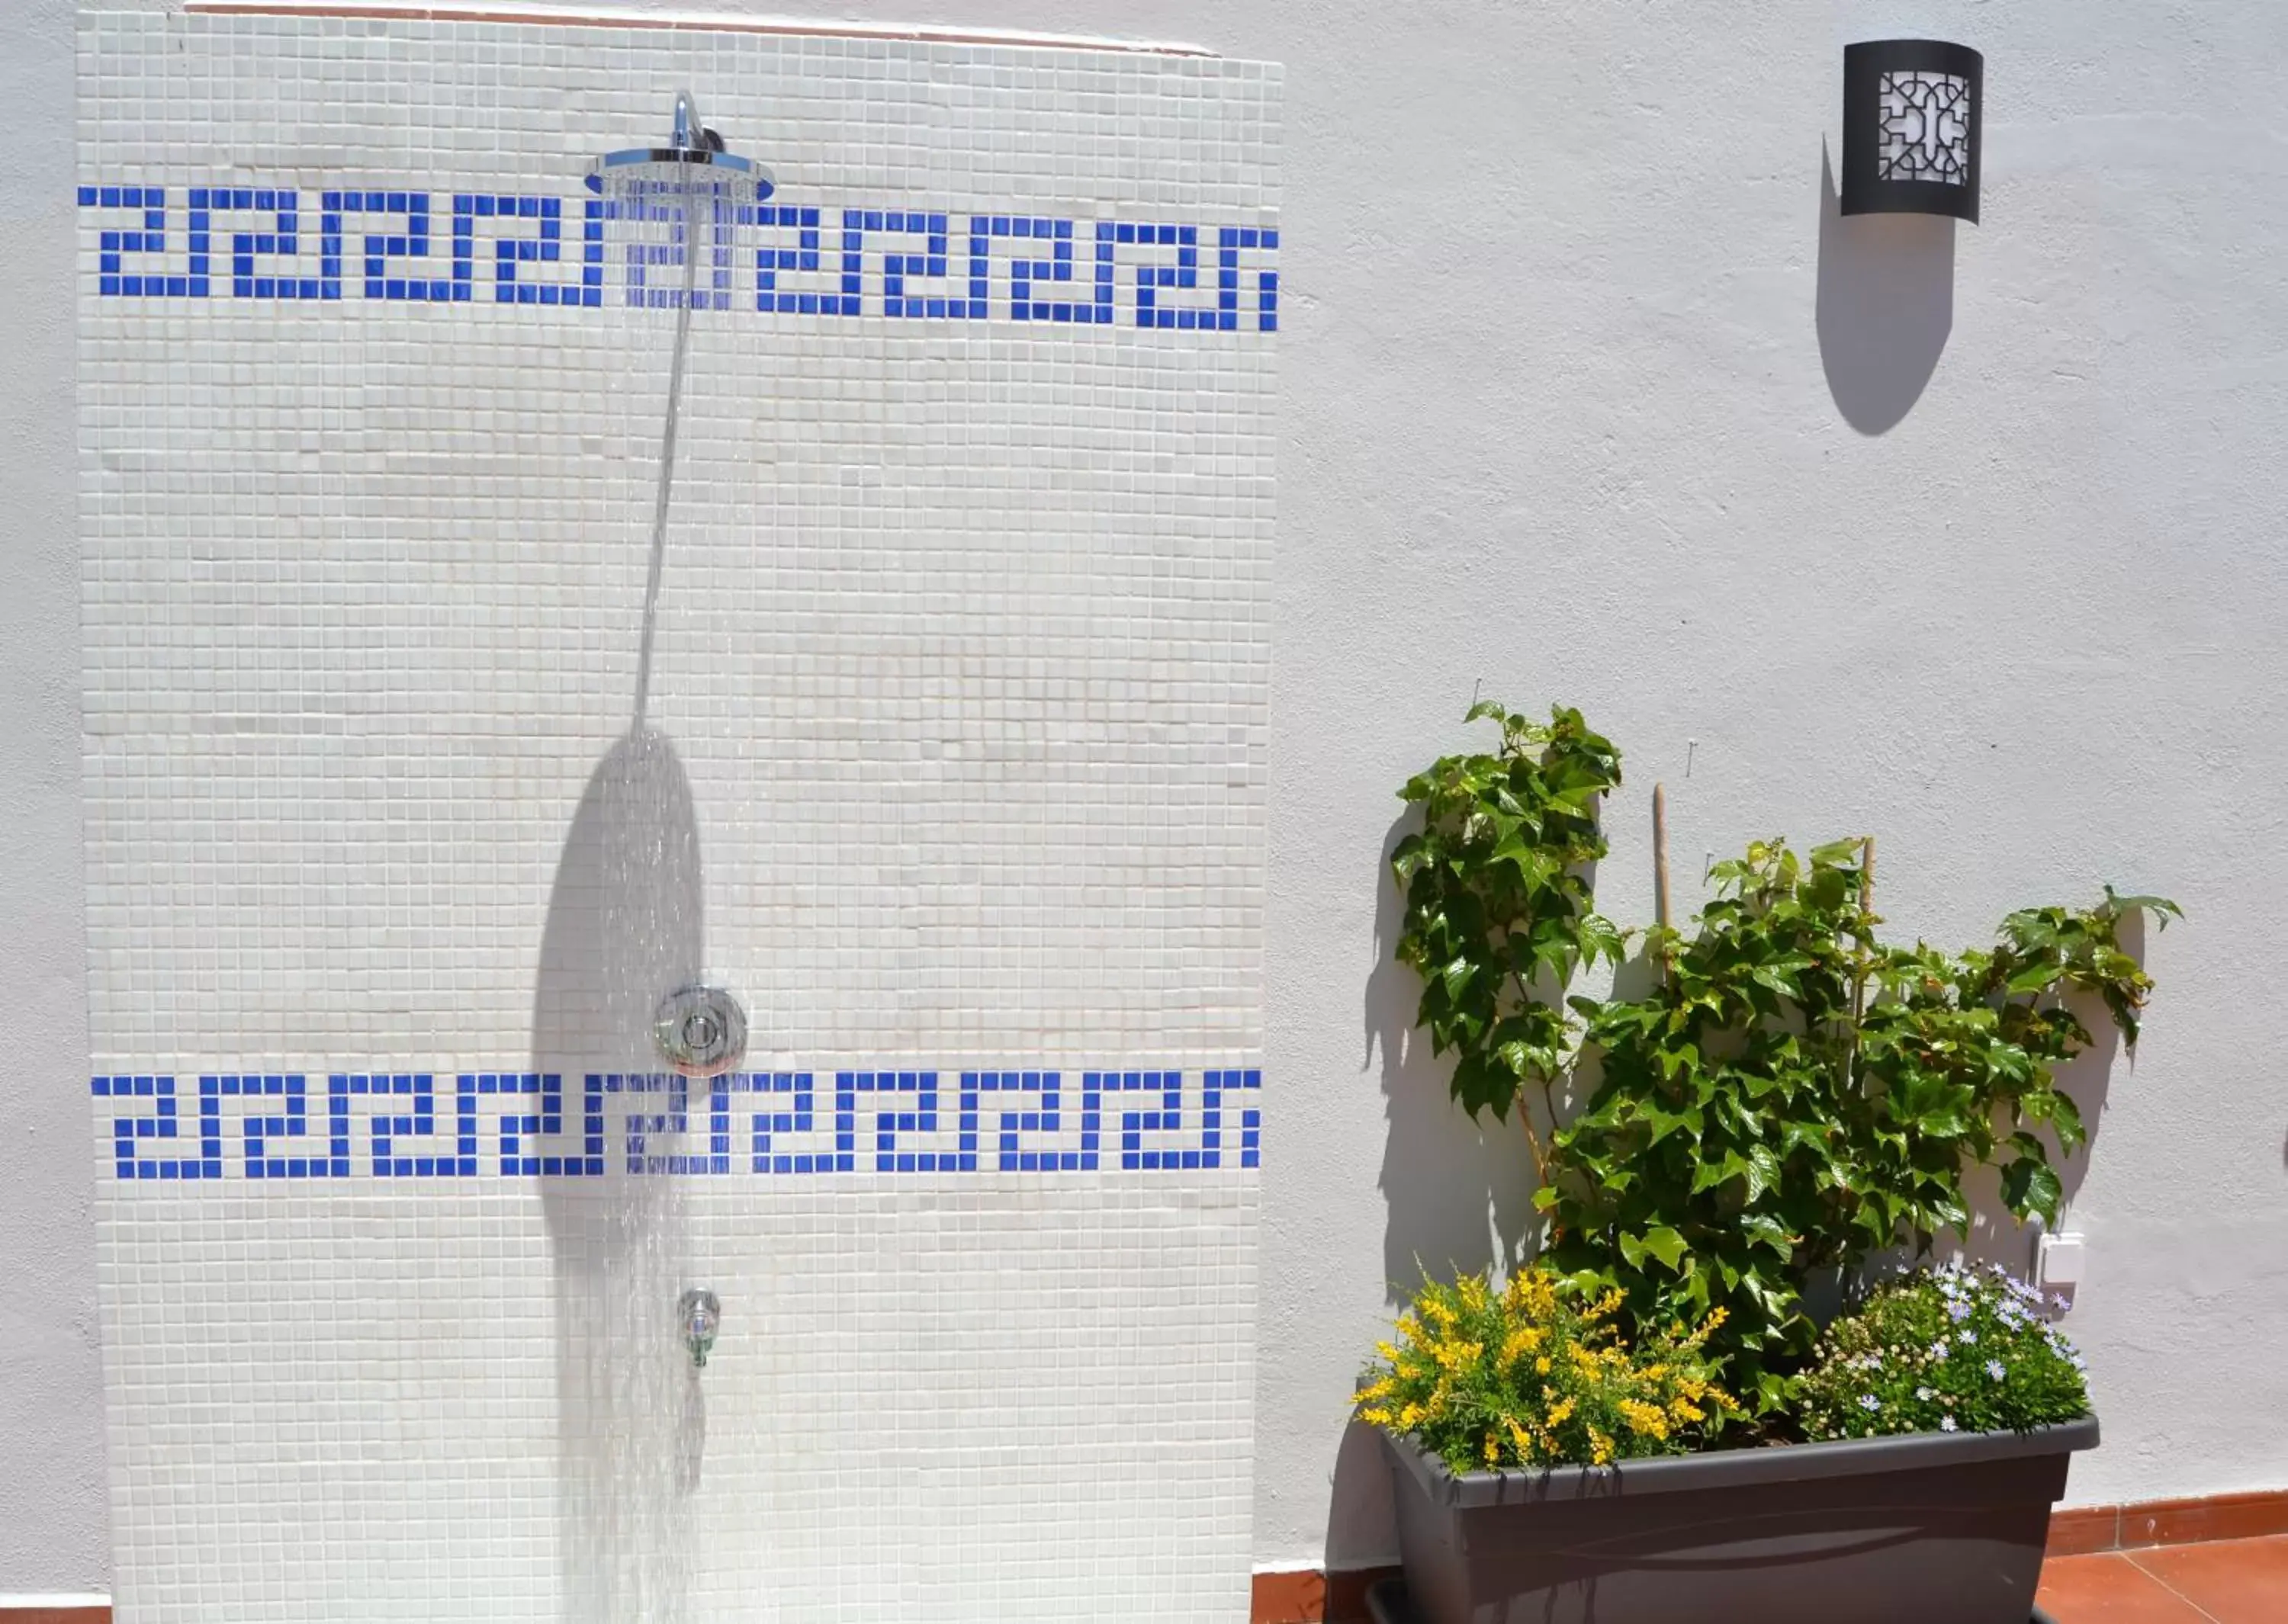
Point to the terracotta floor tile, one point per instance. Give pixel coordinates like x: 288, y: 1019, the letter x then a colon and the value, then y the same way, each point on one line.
x: 2236, y: 1582
x: 2111, y: 1589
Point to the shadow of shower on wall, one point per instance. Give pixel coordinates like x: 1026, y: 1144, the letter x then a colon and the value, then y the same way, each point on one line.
x: 1886, y: 306
x: 625, y: 924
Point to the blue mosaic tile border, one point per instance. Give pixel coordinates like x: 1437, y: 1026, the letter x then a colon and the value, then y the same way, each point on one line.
x: 431, y: 1125
x: 254, y: 242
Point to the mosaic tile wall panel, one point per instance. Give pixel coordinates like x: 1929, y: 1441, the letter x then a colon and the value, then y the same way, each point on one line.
x: 941, y: 742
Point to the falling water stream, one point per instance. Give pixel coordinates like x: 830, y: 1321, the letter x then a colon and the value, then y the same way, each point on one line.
x: 626, y: 926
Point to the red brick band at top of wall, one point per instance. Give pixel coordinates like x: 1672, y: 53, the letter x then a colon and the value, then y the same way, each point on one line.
x: 916, y: 35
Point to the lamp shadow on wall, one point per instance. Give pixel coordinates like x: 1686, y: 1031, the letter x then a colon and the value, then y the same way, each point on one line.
x: 1886, y: 306
x: 625, y: 925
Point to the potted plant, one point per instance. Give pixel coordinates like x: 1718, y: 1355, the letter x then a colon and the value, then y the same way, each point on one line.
x: 1784, y: 1102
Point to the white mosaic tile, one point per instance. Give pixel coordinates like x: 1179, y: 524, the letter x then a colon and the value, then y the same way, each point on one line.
x: 950, y: 762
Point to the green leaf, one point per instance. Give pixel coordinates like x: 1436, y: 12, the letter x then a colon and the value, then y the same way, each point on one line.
x: 2034, y: 978
x: 1768, y: 1233
x: 2031, y: 1186
x: 1779, y: 978
x: 1664, y: 1123
x: 1945, y: 1122
x: 1665, y: 1244
x: 2065, y: 1120
x: 2161, y: 908
x: 1709, y: 1174
x: 1763, y: 1172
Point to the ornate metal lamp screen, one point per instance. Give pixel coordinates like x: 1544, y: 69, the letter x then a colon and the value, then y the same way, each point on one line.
x: 1912, y: 113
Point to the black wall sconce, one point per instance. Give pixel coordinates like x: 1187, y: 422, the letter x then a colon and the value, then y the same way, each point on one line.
x: 1911, y: 115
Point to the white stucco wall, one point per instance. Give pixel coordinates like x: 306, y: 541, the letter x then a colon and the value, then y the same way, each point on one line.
x: 1560, y: 414
x: 53, y: 1533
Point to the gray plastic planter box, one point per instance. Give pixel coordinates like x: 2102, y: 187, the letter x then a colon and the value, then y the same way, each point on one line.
x: 1933, y: 1528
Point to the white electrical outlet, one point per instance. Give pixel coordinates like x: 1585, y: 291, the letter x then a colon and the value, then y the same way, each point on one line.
x: 2059, y: 1261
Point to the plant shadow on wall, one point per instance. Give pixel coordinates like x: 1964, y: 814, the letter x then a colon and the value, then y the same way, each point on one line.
x: 625, y: 924
x: 1886, y: 306
x: 1457, y: 1197
x: 1996, y: 1235
x: 1457, y: 1194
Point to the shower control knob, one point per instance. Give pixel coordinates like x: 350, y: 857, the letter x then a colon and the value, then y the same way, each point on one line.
x: 702, y: 1316
x: 700, y: 1031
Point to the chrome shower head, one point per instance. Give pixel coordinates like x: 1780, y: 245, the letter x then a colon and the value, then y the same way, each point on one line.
x: 693, y: 163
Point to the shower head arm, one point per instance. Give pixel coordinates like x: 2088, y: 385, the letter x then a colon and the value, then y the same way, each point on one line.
x: 690, y: 133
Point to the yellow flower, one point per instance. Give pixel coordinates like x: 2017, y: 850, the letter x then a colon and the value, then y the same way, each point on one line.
x: 1685, y: 1411
x: 1520, y: 1440
x: 1560, y: 1411
x: 1493, y: 1450
x: 1472, y: 1290
x: 1522, y: 1341
x: 1389, y: 1353
x: 1409, y: 1417
x: 1601, y: 1448
x: 1375, y: 1417
x: 1644, y: 1419
x: 1456, y: 1355
x: 1716, y: 1318
x: 1532, y: 1294
x: 1541, y: 1365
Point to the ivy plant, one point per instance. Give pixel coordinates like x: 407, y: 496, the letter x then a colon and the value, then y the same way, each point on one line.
x: 1788, y: 1097
x: 1497, y: 903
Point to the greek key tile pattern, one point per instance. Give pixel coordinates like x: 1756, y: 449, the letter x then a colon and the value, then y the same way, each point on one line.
x: 278, y: 242
x: 356, y: 1126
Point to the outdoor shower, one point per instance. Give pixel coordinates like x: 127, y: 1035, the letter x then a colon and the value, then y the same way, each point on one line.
x: 689, y: 181
x: 692, y: 187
